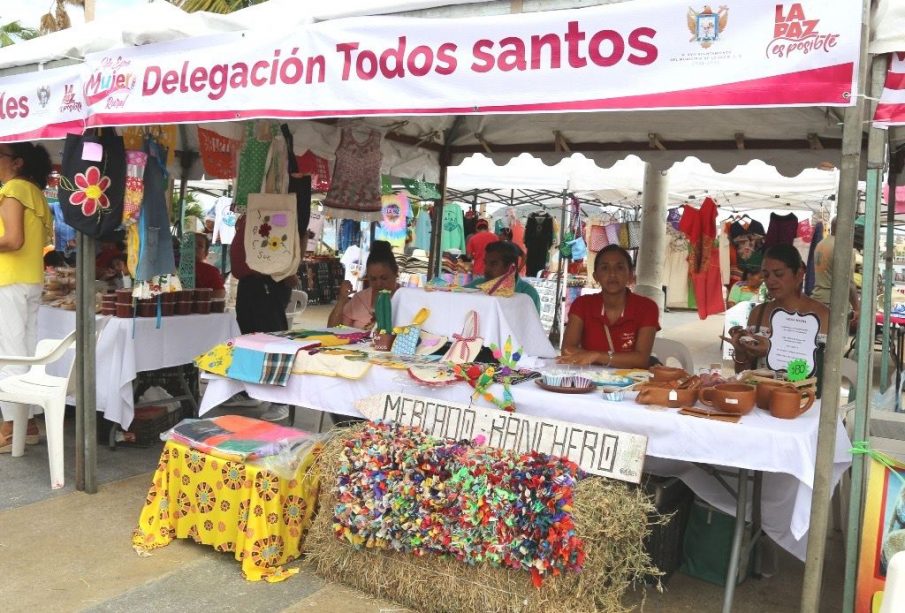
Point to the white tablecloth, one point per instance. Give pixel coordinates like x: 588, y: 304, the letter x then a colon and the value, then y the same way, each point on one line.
x: 784, y: 450
x: 124, y: 351
x: 498, y: 318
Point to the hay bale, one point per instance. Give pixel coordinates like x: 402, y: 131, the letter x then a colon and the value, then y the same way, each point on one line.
x: 611, y: 517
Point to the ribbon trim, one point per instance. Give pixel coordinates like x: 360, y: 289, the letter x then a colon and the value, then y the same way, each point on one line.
x: 894, y: 466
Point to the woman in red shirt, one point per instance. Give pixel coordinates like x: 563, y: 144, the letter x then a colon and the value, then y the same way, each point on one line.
x: 614, y: 327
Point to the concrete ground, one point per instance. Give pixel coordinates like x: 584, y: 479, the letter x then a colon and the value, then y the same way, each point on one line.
x: 68, y: 551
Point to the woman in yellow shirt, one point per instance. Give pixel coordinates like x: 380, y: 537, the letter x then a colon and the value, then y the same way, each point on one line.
x: 26, y: 226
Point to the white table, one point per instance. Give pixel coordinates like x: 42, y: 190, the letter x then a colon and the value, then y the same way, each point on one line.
x: 498, y: 317
x: 129, y: 346
x: 784, y: 450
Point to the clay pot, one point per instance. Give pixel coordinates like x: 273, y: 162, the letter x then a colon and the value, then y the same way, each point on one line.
x: 730, y: 397
x: 384, y: 342
x: 168, y: 297
x: 788, y: 401
x: 124, y: 296
x: 184, y: 307
x: 167, y: 309
x: 764, y: 388
x: 218, y: 306
x: 185, y: 295
x: 666, y: 395
x: 147, y: 308
x: 203, y: 293
x: 666, y: 373
x: 125, y: 310
x: 202, y: 308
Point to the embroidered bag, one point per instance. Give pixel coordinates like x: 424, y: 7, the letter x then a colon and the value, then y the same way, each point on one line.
x: 271, y: 235
x: 597, y: 239
x: 407, y: 337
x: 93, y: 182
x: 465, y: 346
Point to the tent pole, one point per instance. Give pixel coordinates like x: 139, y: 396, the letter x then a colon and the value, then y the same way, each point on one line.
x: 435, y: 258
x: 852, y: 133
x: 875, y: 165
x: 649, y: 264
x: 555, y: 333
x: 86, y: 406
x: 895, y: 167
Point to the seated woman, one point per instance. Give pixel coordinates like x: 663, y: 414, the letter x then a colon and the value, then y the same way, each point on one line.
x: 614, y: 327
x: 499, y: 257
x: 747, y: 288
x: 783, y: 273
x: 381, y: 273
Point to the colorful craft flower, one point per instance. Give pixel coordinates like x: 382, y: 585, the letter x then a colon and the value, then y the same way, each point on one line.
x: 90, y: 193
x: 399, y: 489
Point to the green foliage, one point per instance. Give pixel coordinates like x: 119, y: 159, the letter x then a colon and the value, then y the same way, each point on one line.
x: 214, y: 6
x: 13, y: 32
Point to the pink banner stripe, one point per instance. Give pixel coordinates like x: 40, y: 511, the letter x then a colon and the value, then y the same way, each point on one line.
x: 895, y: 80
x: 809, y: 87
x: 893, y: 114
x: 59, y: 130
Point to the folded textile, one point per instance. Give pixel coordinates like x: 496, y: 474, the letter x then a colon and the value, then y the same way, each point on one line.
x: 330, y: 364
x: 254, y: 358
x: 233, y: 437
x: 328, y: 337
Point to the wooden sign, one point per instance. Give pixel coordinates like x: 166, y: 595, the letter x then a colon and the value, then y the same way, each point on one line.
x: 618, y: 455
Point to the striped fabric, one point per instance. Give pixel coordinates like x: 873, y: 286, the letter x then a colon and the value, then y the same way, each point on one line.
x: 891, y: 108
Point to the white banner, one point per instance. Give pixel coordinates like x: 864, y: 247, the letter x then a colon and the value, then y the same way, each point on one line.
x: 608, y: 453
x: 630, y: 55
x: 43, y: 104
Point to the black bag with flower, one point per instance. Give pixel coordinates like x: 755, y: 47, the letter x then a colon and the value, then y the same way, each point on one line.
x: 93, y: 182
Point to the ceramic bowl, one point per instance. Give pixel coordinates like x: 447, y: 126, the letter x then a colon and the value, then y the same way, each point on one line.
x: 664, y: 394
x: 666, y: 373
x: 736, y: 398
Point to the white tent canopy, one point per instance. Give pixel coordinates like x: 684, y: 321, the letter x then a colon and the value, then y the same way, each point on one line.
x: 755, y: 185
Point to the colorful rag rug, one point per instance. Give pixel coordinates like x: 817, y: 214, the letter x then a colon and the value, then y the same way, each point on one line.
x: 254, y: 358
x: 233, y: 437
x: 399, y: 489
x: 247, y: 510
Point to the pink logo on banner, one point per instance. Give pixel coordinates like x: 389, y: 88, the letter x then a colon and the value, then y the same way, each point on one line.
x: 112, y: 82
x: 794, y: 33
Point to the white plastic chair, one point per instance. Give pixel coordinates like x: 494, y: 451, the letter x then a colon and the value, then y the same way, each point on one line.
x: 298, y: 302
x: 46, y: 391
x: 665, y: 349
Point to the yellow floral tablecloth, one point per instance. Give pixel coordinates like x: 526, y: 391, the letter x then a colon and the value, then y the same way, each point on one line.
x: 241, y: 508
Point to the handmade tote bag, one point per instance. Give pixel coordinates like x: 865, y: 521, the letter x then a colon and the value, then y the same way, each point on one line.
x: 93, y: 182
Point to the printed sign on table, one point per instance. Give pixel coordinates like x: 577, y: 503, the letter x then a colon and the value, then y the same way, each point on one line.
x: 793, y: 336
x: 608, y: 453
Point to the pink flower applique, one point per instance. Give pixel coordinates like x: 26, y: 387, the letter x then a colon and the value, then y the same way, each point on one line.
x: 90, y: 194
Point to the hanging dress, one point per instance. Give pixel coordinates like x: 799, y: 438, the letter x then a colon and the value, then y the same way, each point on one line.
x: 699, y: 225
x: 355, y: 189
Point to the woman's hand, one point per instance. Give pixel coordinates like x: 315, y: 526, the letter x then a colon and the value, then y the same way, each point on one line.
x: 578, y: 357
x: 345, y: 289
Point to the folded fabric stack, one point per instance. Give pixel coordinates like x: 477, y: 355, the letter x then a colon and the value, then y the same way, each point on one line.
x: 254, y: 358
x: 233, y: 437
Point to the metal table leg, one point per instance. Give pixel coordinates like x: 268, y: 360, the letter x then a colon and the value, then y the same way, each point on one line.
x: 738, y: 534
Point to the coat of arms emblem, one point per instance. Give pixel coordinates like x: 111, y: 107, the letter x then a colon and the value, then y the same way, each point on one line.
x: 706, y: 26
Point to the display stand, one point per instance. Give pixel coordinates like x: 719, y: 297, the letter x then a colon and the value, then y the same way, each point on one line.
x: 320, y: 278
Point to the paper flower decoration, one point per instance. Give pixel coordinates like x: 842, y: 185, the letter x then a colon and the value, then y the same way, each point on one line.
x: 399, y: 489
